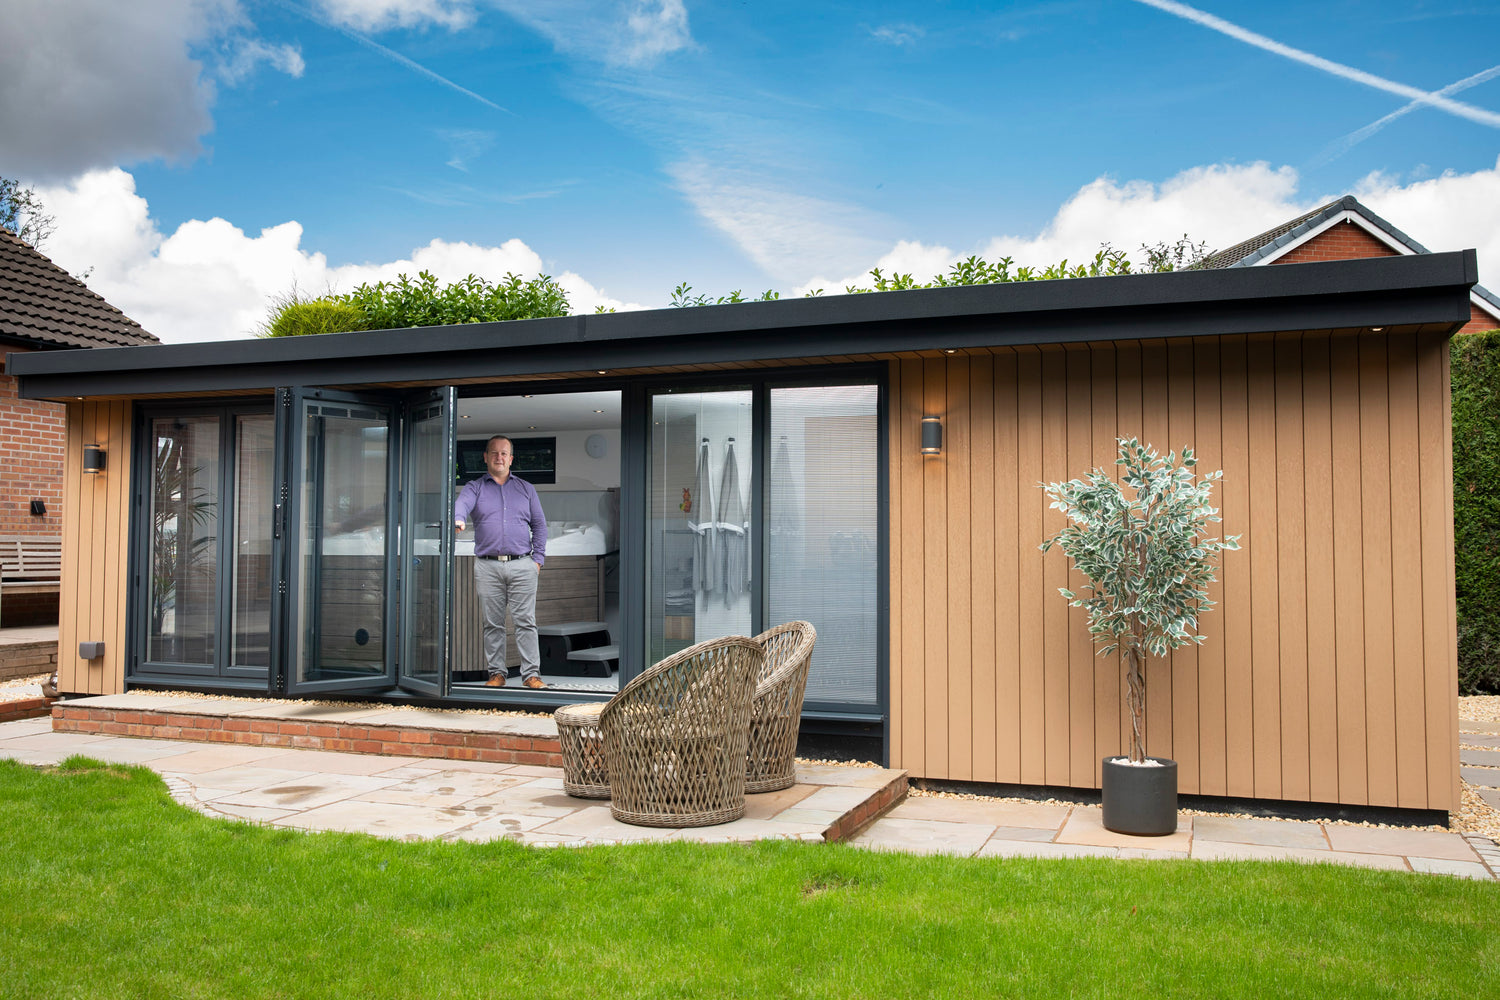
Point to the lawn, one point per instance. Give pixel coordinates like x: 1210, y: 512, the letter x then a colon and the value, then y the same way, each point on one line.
x: 111, y: 889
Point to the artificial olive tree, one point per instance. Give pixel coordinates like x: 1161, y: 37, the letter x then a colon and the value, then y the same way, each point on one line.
x: 1147, y: 558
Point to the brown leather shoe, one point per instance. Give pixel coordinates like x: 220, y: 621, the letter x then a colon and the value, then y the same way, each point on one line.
x: 495, y: 681
x: 534, y: 682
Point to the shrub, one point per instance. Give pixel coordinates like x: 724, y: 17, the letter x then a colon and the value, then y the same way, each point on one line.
x: 297, y: 317
x: 406, y: 303
x: 1476, y: 509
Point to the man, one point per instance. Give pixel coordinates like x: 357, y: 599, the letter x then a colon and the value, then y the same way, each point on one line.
x: 510, y: 546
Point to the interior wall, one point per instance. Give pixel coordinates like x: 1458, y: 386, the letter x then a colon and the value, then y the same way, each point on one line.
x: 1328, y: 670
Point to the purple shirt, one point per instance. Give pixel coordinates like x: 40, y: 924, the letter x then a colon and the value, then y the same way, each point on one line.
x: 507, y: 520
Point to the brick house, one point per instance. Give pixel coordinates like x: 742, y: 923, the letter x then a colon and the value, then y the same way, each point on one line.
x: 42, y: 308
x: 1344, y: 230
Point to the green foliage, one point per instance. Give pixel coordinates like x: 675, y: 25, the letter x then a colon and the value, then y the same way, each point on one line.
x: 294, y: 316
x: 1147, y: 557
x: 406, y: 303
x: 1108, y: 262
x: 22, y: 213
x: 1476, y: 509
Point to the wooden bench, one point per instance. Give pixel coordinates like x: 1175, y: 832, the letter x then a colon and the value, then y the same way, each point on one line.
x: 30, y: 564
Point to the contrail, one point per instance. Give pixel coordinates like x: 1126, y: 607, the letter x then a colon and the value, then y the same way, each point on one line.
x: 1473, y: 114
x: 1345, y: 143
x: 391, y: 55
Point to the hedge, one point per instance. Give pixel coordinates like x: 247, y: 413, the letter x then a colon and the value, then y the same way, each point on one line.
x: 1476, y: 508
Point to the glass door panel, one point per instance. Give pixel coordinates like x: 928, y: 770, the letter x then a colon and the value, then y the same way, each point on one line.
x: 339, y: 604
x: 254, y: 486
x: 427, y: 541
x: 184, y: 550
x: 698, y: 533
x: 822, y: 533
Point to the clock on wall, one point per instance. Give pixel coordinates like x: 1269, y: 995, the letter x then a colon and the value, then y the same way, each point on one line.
x: 596, y: 445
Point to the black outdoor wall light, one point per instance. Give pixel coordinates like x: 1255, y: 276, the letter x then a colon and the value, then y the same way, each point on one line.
x: 93, y: 459
x: 932, y: 435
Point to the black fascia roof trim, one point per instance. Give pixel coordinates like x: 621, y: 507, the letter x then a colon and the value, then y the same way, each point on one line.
x: 1328, y: 295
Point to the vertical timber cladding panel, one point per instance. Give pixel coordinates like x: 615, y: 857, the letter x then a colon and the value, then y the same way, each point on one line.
x: 1317, y: 458
x: 1209, y: 445
x: 71, y: 673
x: 1375, y: 499
x: 90, y: 675
x: 1265, y: 636
x: 1348, y: 570
x: 1031, y: 506
x: 1106, y: 670
x: 1182, y: 433
x: 935, y: 572
x: 1056, y: 615
x: 1080, y: 668
x: 895, y: 414
x: 1440, y: 696
x: 1291, y: 561
x: 1156, y: 393
x: 1008, y: 550
x: 1128, y: 424
x: 911, y: 547
x: 1406, y: 575
x: 1239, y: 730
x: 116, y: 543
x: 958, y: 458
x: 984, y: 621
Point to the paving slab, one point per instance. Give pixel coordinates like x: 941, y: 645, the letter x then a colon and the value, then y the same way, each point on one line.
x: 1409, y: 843
x: 240, y: 778
x: 117, y: 750
x: 1210, y: 850
x: 1479, y: 758
x: 820, y: 818
x: 406, y: 822
x: 1442, y: 866
x: 1484, y: 777
x: 847, y: 777
x: 1141, y: 854
x: 307, y: 791
x: 924, y: 837
x: 1041, y: 815
x: 499, y: 826
x: 1475, y: 739
x: 332, y: 762
x: 53, y: 741
x: 767, y: 805
x: 216, y: 757
x: 742, y: 830
x: 998, y: 848
x: 1085, y: 825
x: 25, y: 727
x: 1268, y: 832
x: 597, y: 825
x: 841, y: 799
x: 446, y: 788
x: 1490, y: 796
x: 1478, y: 726
x: 304, y: 712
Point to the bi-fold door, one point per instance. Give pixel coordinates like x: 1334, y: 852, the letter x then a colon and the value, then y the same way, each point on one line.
x: 363, y: 540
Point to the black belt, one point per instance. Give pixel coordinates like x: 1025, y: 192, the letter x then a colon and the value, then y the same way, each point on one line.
x: 523, y: 555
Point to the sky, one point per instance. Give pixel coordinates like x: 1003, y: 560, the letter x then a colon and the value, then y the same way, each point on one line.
x: 204, y: 157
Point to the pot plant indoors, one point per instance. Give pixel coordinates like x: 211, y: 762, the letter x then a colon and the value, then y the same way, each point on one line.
x: 1149, y: 561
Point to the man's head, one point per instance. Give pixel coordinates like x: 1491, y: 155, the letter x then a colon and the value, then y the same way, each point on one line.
x: 498, y: 454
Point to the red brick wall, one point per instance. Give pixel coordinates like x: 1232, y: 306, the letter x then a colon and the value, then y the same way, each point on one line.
x: 1343, y: 241
x: 31, y: 461
x: 1480, y: 320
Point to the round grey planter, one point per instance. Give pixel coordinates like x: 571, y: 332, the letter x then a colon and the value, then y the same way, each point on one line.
x: 1140, y: 800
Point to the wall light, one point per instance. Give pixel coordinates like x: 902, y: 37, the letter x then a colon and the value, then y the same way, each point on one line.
x: 93, y: 459
x: 932, y: 435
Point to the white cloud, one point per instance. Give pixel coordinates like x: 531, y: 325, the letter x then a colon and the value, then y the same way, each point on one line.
x: 209, y: 280
x: 898, y: 34
x: 93, y: 83
x: 784, y: 232
x: 381, y: 15
x: 247, y: 54
x: 615, y: 32
x: 1222, y: 205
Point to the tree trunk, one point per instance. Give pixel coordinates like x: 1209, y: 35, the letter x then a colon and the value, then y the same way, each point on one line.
x: 1135, y: 680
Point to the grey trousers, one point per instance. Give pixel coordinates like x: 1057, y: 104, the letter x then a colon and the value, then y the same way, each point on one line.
x: 508, y: 586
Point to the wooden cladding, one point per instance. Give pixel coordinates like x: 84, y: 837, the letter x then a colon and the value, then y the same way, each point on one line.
x: 96, y: 545
x: 1328, y: 674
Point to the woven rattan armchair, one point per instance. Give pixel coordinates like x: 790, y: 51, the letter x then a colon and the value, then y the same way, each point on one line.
x: 675, y: 738
x: 776, y: 708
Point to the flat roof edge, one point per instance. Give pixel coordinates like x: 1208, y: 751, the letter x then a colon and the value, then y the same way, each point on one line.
x: 1335, y: 294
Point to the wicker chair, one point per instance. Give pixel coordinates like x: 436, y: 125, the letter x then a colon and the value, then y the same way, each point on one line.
x: 776, y: 708
x: 675, y: 738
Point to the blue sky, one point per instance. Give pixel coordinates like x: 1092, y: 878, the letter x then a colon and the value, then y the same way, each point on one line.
x: 635, y: 144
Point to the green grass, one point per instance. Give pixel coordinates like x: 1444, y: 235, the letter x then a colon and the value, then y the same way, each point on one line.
x: 111, y: 889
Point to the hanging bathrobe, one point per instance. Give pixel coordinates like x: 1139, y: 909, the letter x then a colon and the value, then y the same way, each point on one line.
x: 786, y: 507
x: 734, y: 531
x: 707, y: 564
